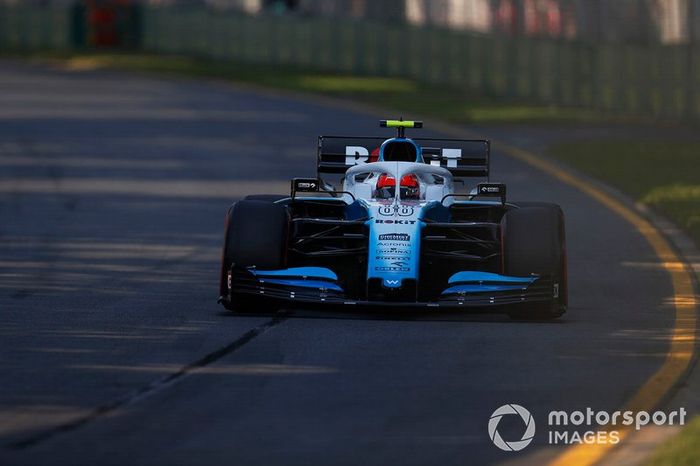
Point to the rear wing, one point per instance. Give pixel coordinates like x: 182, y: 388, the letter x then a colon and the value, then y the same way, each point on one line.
x: 462, y: 157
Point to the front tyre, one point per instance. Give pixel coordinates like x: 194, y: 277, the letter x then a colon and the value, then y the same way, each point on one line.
x: 255, y: 235
x: 534, y: 242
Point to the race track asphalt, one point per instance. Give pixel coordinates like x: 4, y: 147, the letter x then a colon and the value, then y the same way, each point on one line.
x: 113, y: 189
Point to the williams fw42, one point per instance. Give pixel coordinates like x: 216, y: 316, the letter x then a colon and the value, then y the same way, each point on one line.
x: 383, y: 225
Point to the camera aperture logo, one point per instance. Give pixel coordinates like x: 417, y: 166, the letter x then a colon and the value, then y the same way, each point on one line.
x: 527, y: 418
x: 585, y: 426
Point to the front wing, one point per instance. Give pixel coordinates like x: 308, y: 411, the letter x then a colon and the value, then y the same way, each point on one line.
x: 316, y: 285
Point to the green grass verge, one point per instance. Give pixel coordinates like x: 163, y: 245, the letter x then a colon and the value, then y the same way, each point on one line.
x: 681, y: 450
x: 406, y: 97
x: 662, y: 175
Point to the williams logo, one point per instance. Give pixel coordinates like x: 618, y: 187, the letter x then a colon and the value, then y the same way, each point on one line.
x: 395, y: 237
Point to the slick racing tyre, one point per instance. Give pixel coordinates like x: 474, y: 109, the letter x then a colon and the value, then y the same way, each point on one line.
x: 534, y: 241
x: 255, y: 235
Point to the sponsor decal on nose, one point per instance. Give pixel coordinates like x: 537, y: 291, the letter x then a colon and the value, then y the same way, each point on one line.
x: 396, y: 222
x: 395, y: 237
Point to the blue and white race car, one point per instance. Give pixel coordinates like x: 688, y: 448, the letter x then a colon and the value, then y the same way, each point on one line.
x: 396, y: 233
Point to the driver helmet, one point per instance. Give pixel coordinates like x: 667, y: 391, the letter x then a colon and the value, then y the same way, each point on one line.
x: 409, y: 186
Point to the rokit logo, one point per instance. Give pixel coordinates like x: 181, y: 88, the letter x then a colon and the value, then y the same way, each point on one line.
x: 396, y: 222
x: 395, y: 237
x: 449, y: 157
x: 355, y: 155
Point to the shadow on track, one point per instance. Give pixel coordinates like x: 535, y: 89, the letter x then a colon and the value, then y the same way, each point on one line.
x: 396, y: 316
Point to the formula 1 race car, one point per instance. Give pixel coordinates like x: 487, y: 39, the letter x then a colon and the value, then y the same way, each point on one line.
x: 395, y: 233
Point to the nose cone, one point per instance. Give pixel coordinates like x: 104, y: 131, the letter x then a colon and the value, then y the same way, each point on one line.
x: 394, y: 250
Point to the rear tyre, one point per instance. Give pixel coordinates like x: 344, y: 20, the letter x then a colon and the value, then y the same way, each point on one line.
x: 534, y: 241
x: 255, y: 235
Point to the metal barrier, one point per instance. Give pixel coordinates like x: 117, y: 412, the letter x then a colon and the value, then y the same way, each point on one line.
x: 612, y: 78
x: 652, y: 80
